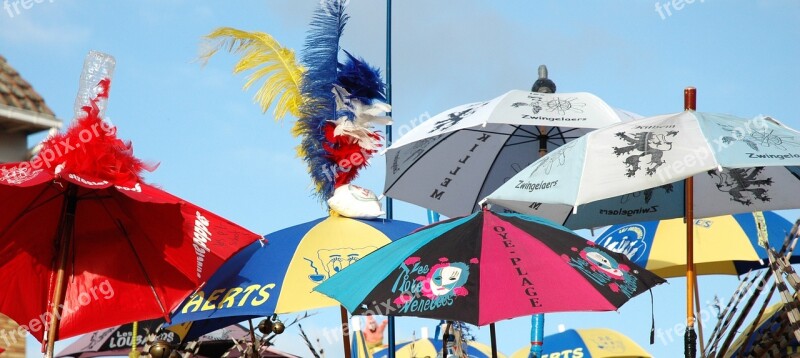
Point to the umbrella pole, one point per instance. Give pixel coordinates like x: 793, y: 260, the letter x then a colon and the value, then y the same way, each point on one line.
x: 493, y: 338
x: 542, y: 85
x: 134, y: 333
x: 537, y: 335
x: 446, y: 338
x: 690, y: 338
x: 345, y: 333
x: 697, y: 306
x: 65, y: 231
x: 389, y: 206
x: 253, y: 337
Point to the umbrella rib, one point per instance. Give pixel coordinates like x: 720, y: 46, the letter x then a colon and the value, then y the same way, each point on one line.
x: 561, y: 134
x: 141, y: 266
x: 500, y: 133
x: 386, y: 190
x: 522, y: 142
x: 519, y: 128
x: 486, y: 178
x: 28, y: 209
x: 136, y: 255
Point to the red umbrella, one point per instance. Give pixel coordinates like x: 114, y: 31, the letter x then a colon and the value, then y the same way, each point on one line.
x: 84, y: 241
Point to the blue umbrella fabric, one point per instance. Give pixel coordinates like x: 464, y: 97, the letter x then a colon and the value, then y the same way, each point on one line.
x: 588, y: 343
x: 277, y: 275
x: 428, y: 347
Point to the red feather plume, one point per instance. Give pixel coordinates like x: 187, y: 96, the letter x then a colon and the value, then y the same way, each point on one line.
x: 90, y: 148
x: 347, y: 154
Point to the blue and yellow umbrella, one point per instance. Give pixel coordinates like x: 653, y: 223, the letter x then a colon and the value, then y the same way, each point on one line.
x: 427, y: 347
x: 277, y: 275
x: 726, y: 244
x: 587, y: 343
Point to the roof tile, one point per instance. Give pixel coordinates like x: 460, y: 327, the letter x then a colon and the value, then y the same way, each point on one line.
x: 18, y: 93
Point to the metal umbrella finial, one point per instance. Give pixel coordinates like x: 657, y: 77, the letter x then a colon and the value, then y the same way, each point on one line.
x: 543, y: 84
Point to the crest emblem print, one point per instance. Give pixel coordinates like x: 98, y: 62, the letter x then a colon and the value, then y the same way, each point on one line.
x: 647, y: 194
x: 757, y: 139
x: 416, y: 151
x: 17, y: 175
x: 642, y: 144
x: 557, y: 105
x: 454, y: 117
x: 743, y: 184
x: 556, y: 158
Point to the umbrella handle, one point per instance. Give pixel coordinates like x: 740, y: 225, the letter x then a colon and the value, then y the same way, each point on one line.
x: 445, y: 338
x: 65, y: 232
x: 134, y: 353
x: 537, y: 335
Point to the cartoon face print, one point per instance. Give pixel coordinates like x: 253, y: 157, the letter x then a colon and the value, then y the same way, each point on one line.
x: 335, y: 260
x: 446, y: 278
x: 608, y: 344
x: 603, y: 262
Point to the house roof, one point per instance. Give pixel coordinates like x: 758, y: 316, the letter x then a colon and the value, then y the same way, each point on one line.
x: 22, y: 109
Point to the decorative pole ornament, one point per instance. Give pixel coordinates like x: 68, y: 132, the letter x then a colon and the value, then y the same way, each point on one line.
x: 543, y: 84
x: 160, y: 349
x: 101, y: 157
x: 278, y: 327
x: 336, y: 104
x: 265, y: 326
x: 97, y: 67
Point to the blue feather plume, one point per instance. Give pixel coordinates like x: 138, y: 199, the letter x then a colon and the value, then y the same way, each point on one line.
x: 360, y: 79
x: 320, y: 57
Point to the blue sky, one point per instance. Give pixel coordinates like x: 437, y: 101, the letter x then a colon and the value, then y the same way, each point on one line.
x: 218, y: 150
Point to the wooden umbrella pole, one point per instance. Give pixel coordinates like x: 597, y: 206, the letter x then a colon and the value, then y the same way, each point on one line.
x: 65, y: 231
x: 698, y: 311
x: 689, y: 104
x: 345, y: 333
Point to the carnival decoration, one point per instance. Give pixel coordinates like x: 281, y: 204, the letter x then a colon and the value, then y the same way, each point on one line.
x: 82, y: 235
x: 335, y: 103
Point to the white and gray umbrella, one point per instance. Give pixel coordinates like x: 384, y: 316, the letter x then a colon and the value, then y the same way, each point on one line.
x: 689, y: 164
x: 451, y: 161
x: 633, y: 171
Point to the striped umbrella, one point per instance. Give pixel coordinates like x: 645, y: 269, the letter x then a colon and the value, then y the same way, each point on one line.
x: 427, y: 347
x: 278, y: 275
x: 588, y: 343
x: 726, y: 244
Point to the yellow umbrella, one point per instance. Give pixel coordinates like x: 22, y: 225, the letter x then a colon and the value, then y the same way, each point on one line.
x: 426, y: 347
x: 588, y: 343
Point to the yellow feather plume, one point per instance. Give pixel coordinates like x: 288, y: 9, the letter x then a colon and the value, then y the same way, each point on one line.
x: 269, y: 61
